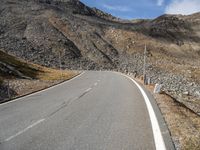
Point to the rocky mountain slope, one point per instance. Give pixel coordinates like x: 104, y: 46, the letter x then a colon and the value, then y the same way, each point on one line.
x: 32, y: 29
x: 45, y: 31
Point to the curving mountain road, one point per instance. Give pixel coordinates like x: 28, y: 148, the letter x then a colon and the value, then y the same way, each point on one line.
x: 94, y: 111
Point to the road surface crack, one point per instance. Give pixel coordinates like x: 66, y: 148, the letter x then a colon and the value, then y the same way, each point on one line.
x: 65, y: 104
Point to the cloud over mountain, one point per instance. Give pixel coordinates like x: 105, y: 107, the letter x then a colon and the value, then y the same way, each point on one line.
x: 184, y: 7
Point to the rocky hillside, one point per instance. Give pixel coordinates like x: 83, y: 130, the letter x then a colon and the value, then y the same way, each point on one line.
x: 47, y: 31
x: 34, y: 29
x: 42, y: 30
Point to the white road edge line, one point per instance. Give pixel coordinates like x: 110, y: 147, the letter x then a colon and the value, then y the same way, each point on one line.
x: 24, y: 130
x: 158, y: 138
x: 23, y: 97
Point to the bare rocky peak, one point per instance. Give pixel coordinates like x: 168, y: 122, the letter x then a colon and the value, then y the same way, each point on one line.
x: 78, y: 7
x: 174, y: 28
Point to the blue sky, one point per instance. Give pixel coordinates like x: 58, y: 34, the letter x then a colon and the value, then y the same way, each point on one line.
x: 133, y: 9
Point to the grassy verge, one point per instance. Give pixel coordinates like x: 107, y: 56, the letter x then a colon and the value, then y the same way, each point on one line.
x: 184, y: 125
x: 25, y: 78
x: 30, y: 70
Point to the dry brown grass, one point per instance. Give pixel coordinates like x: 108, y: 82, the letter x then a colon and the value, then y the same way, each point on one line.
x: 37, y: 77
x: 183, y: 124
x: 33, y: 71
x: 130, y: 42
x: 52, y: 74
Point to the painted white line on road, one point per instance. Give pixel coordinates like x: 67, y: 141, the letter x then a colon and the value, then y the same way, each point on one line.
x: 158, y: 138
x: 24, y: 130
x: 89, y: 89
x: 23, y: 97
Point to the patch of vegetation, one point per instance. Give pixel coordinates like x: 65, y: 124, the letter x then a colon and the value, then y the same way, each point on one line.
x: 31, y: 70
x: 26, y: 69
x: 192, y: 144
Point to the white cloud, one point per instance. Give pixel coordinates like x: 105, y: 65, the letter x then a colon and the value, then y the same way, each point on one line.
x: 184, y: 7
x: 160, y: 2
x: 117, y: 8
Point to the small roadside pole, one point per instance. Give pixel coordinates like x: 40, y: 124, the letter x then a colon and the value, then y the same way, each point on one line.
x: 8, y: 85
x: 144, y: 67
x: 8, y: 89
x: 60, y: 64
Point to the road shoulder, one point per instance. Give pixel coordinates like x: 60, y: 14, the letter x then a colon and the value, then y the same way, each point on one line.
x: 162, y: 126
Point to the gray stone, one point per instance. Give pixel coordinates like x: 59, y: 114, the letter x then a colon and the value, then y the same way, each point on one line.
x: 158, y: 88
x: 186, y: 93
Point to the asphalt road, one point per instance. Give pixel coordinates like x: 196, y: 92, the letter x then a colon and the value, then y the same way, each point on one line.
x: 94, y: 111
